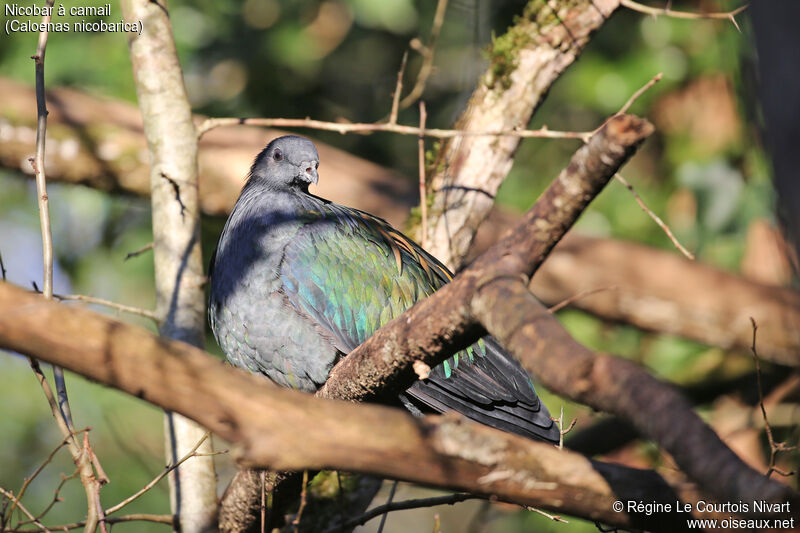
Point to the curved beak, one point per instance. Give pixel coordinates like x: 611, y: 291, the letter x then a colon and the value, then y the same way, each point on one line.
x: 308, y: 171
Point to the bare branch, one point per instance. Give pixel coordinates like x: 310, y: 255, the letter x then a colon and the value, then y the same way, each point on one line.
x: 574, y: 298
x: 423, y: 192
x: 774, y: 447
x: 303, y: 501
x: 108, y: 303
x: 427, y: 52
x: 554, y: 518
x: 152, y: 483
x: 669, y: 12
x: 22, y: 508
x: 38, y: 164
x: 656, y: 219
x: 262, y: 420
x: 635, y: 96
x: 140, y: 251
x: 137, y: 517
x: 29, y: 479
x: 177, y: 255
x: 397, y: 90
x: 523, y: 65
x: 450, y: 499
x: 350, y: 127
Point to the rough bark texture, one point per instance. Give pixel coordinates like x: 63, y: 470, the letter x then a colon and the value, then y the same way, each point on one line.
x: 99, y: 142
x: 525, y: 62
x: 180, y: 299
x: 280, y: 428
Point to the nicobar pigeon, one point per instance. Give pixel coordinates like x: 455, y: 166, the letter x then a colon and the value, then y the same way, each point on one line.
x: 297, y: 282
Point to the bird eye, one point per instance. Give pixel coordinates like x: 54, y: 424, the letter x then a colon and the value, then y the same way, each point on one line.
x: 277, y: 155
x: 317, y: 165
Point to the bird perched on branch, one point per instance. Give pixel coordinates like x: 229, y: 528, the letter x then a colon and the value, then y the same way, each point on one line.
x: 297, y: 282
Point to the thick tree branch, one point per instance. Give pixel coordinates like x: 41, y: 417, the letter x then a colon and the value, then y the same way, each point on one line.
x: 179, y: 277
x: 284, y: 429
x: 446, y: 321
x: 382, y: 365
x: 527, y: 329
x: 525, y: 62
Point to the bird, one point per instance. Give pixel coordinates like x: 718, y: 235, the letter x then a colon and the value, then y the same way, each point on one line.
x: 297, y: 282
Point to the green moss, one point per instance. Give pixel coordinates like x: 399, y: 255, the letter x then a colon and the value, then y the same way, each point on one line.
x: 503, y: 53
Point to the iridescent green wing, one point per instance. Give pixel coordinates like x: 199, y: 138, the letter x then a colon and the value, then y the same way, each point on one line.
x: 353, y: 273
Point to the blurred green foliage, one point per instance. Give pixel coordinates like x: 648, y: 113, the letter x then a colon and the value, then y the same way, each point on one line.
x: 704, y: 172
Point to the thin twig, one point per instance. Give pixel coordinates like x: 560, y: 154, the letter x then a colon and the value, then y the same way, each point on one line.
x: 37, y: 162
x: 561, y: 430
x: 350, y: 127
x: 140, y: 251
x: 263, y: 500
x: 79, y: 453
x: 423, y: 190
x: 159, y: 477
x: 55, y: 499
x: 108, y: 303
x: 575, y: 297
x: 449, y: 499
x: 397, y: 90
x: 22, y: 508
x: 427, y: 52
x: 388, y: 501
x: 303, y: 501
x: 774, y: 447
x: 655, y: 218
x: 667, y: 11
x: 2, y: 267
x: 59, y: 407
x: 635, y: 96
x: 136, y: 517
x: 29, y: 479
x: 554, y: 518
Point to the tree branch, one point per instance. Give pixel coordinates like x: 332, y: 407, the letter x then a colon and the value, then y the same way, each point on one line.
x: 663, y: 292
x: 693, y: 301
x: 446, y: 321
x: 525, y: 62
x: 179, y: 277
x: 117, y: 160
x: 59, y: 404
x: 382, y: 365
x: 284, y: 429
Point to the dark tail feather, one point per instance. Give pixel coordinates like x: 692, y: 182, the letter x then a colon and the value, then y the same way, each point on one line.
x: 493, y: 390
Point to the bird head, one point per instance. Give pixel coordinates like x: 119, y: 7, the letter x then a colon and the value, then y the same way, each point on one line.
x: 287, y: 163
